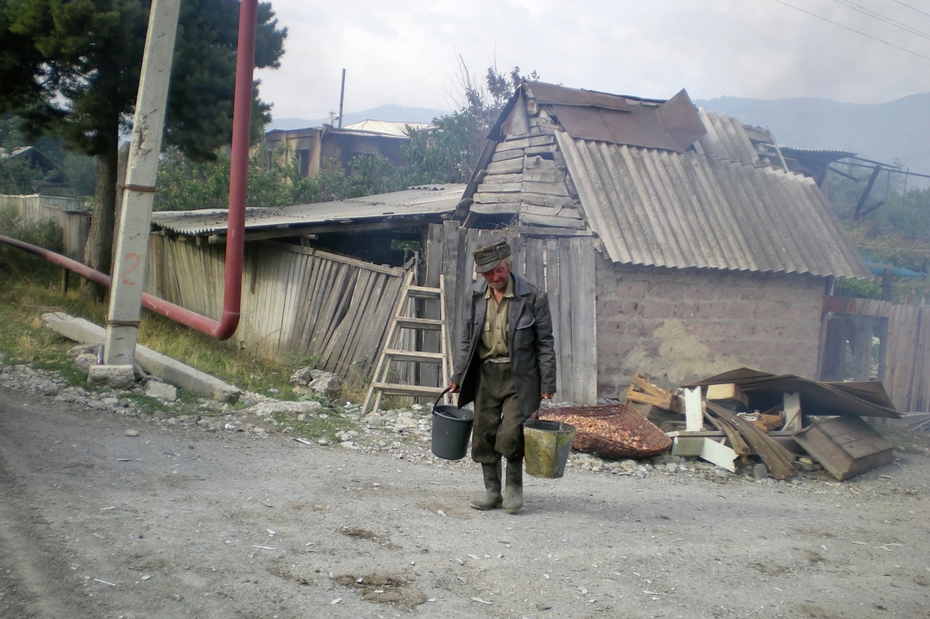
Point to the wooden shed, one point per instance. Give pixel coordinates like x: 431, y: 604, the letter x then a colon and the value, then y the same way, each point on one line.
x: 320, y: 281
x: 670, y: 239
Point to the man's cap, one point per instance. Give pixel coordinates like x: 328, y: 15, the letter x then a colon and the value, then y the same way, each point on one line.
x: 489, y: 256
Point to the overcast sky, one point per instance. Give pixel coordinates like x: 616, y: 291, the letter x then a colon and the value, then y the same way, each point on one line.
x: 406, y: 52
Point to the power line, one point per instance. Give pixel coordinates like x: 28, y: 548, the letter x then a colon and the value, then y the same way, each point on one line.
x: 903, y: 49
x: 911, y: 8
x: 875, y: 15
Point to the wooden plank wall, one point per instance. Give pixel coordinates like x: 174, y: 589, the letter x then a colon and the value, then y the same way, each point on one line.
x: 67, y: 212
x: 296, y: 301
x: 904, y: 363
x: 564, y: 267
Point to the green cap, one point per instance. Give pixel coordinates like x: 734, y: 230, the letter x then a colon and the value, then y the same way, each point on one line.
x: 489, y: 256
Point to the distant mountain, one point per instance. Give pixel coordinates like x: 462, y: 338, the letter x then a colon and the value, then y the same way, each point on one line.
x: 391, y: 112
x: 882, y: 131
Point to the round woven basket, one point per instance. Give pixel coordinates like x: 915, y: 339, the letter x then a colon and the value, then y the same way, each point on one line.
x: 623, y: 431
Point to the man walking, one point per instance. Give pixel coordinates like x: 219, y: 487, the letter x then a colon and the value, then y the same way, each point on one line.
x: 505, y: 365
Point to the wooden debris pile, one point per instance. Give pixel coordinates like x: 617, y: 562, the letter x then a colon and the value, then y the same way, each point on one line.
x: 747, y: 413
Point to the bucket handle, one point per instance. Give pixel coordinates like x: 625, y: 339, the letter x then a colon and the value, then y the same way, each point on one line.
x: 436, y: 403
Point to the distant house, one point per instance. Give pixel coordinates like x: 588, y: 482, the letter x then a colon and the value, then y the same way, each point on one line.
x: 311, y: 146
x: 671, y: 239
x: 32, y: 156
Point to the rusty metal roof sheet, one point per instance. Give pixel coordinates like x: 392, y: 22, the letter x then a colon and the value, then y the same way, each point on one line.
x: 688, y: 210
x: 432, y: 200
x: 672, y: 125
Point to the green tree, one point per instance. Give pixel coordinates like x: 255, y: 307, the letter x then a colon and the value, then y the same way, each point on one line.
x: 896, y: 233
x: 71, y: 69
x: 447, y: 151
x: 21, y: 178
x: 184, y: 184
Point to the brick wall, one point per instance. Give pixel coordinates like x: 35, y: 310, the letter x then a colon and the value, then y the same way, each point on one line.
x: 683, y: 325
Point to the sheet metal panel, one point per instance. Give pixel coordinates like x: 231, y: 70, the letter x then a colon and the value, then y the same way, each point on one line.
x: 660, y: 208
x: 433, y: 200
x: 673, y: 125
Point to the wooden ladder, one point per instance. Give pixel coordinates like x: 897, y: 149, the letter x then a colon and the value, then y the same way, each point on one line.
x: 393, y: 353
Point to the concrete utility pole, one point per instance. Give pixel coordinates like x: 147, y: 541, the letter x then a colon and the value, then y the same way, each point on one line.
x: 138, y: 192
x: 342, y: 96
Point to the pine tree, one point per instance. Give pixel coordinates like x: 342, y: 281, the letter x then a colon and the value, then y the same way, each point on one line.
x: 70, y: 69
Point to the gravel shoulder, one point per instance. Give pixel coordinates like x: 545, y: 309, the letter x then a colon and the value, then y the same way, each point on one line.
x: 178, y: 518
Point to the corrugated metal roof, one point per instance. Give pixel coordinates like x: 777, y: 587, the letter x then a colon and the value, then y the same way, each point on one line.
x: 432, y: 200
x: 386, y: 127
x: 660, y: 208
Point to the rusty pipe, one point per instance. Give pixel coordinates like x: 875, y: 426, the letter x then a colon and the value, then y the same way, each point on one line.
x: 224, y: 328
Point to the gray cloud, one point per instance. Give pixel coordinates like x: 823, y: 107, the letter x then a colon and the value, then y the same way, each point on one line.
x: 406, y: 52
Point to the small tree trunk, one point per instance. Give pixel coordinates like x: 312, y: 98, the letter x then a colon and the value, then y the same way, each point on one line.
x: 98, y: 251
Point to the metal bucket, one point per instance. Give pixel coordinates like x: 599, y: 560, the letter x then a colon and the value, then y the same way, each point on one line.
x: 547, y: 445
x: 451, y: 430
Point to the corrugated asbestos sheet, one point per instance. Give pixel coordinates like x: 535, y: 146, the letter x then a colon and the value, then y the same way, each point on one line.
x: 432, y: 200
x: 726, y: 139
x: 661, y: 208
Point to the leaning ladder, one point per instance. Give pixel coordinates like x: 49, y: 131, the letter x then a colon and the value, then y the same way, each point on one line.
x: 393, y: 351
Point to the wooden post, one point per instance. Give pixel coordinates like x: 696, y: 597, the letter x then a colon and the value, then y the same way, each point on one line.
x: 886, y: 285
x: 862, y: 347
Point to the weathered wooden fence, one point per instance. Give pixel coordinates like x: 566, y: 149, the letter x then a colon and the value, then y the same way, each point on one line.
x: 877, y: 340
x: 68, y: 213
x: 563, y: 267
x: 296, y: 301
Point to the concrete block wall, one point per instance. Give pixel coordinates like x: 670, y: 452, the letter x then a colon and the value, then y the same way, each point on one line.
x: 684, y: 325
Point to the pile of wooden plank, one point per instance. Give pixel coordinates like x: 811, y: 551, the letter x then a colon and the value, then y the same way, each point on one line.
x: 721, y: 423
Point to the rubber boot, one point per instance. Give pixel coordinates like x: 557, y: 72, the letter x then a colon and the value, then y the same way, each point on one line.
x: 492, y: 483
x: 513, y: 486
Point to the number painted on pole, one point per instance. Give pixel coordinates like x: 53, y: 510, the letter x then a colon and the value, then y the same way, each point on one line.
x: 133, y: 260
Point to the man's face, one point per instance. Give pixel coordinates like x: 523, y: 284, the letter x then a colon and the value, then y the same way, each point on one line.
x: 497, y: 277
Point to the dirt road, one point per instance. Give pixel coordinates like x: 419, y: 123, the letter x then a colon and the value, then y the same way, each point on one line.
x: 182, y: 522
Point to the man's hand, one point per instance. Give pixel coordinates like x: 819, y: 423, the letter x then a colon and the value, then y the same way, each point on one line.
x: 547, y: 396
x: 453, y: 388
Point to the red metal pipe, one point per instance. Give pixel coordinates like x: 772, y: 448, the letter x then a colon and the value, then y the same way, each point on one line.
x: 238, y: 183
x: 238, y: 173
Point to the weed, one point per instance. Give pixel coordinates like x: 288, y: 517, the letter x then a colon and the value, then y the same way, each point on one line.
x: 314, y: 427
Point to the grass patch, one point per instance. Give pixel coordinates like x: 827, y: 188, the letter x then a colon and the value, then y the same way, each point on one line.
x: 315, y: 428
x: 221, y: 359
x: 24, y: 339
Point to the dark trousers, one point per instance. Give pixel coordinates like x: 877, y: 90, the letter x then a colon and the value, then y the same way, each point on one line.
x: 498, y: 426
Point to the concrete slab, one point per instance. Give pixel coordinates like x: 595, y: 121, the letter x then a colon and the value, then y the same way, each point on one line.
x: 157, y: 364
x: 116, y: 376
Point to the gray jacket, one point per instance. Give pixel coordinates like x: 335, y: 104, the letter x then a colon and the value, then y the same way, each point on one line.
x: 530, y: 340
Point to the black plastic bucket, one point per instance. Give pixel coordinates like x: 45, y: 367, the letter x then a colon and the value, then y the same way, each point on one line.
x: 451, y: 430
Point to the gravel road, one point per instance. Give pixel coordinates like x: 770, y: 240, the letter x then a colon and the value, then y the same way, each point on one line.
x: 187, y: 521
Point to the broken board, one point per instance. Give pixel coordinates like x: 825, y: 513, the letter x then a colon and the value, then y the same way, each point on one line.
x: 705, y: 448
x: 726, y: 392
x: 845, y: 446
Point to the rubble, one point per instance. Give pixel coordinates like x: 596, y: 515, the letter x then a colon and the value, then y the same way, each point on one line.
x: 774, y: 418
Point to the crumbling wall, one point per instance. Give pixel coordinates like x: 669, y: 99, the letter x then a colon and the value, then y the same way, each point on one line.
x: 682, y: 325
